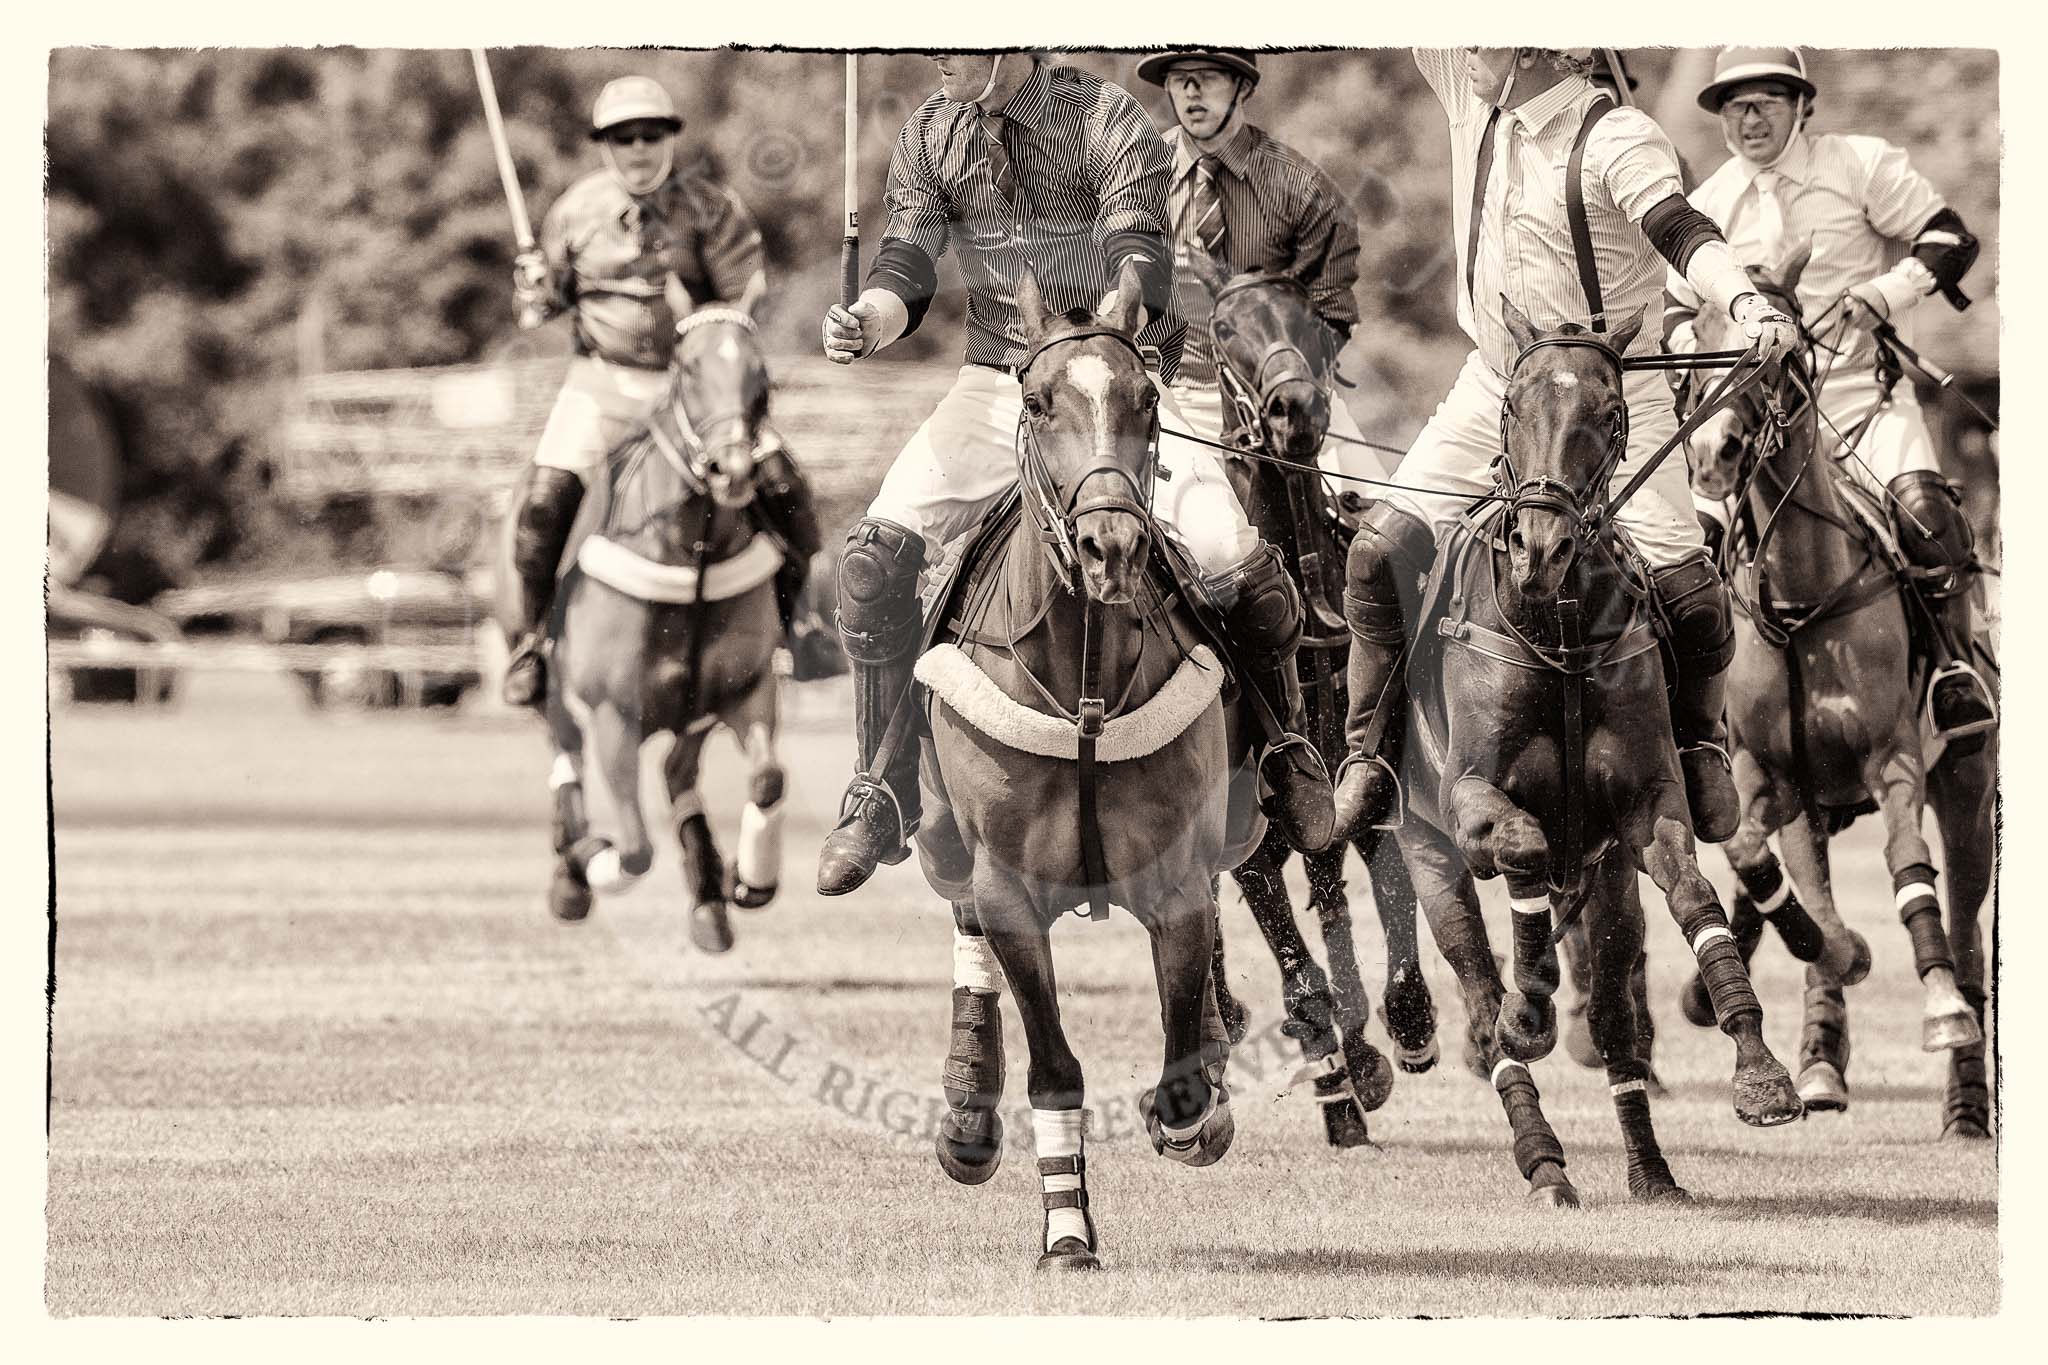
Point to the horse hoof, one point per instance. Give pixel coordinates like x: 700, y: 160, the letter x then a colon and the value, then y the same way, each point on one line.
x: 968, y: 1160
x: 1236, y: 1021
x: 710, y: 928
x: 1764, y: 1097
x: 752, y: 897
x: 1661, y: 1194
x: 1965, y: 1129
x: 1526, y: 1027
x: 1655, y: 1087
x: 1344, y: 1125
x: 569, y: 897
x: 1206, y: 1147
x: 1852, y: 971
x: 1372, y: 1079
x: 1410, y: 1016
x: 1069, y: 1253
x: 1419, y: 1061
x: 1559, y: 1196
x: 1942, y: 1032
x: 1822, y: 1088
x: 1579, y: 1044
x: 1695, y: 1004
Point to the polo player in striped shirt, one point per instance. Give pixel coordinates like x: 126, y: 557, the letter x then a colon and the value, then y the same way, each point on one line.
x: 1883, y: 238
x: 1515, y: 114
x: 1248, y: 201
x: 1018, y: 162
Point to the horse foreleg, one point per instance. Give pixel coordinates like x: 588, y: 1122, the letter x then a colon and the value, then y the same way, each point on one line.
x: 1576, y: 954
x: 611, y: 866
x: 1492, y: 831
x: 1614, y: 945
x: 1016, y: 933
x: 1963, y: 791
x: 1946, y: 1019
x: 970, y: 1139
x: 757, y: 862
x: 569, y: 895
x: 1659, y: 832
x: 1188, y: 1113
x: 1444, y: 890
x: 1405, y: 1007
x: 703, y: 869
x: 1366, y: 1077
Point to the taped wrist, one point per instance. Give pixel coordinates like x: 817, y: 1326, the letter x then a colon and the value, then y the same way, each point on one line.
x: 905, y: 270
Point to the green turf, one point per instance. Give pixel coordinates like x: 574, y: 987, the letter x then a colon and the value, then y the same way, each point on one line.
x: 319, y: 1049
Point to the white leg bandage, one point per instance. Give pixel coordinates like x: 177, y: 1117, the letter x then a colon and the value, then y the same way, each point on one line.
x: 1708, y: 935
x: 759, y: 861
x: 1501, y: 1067
x: 1915, y: 891
x: 566, y: 772
x: 974, y: 966
x: 1058, y: 1133
x: 1529, y: 905
x: 1776, y: 901
x: 605, y: 874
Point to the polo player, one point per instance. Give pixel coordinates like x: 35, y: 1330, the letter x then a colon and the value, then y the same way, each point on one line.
x: 1246, y: 200
x: 1515, y: 114
x: 626, y: 251
x: 1882, y: 239
x: 1017, y: 162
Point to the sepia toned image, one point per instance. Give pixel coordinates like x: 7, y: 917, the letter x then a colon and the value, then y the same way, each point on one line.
x: 1202, y: 681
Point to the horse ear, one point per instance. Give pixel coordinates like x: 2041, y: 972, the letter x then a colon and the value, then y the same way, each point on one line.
x: 1030, y: 306
x: 1130, y: 299
x: 679, y: 301
x: 751, y: 296
x: 1626, y: 331
x: 1794, y: 266
x: 1520, y: 329
x: 1207, y: 272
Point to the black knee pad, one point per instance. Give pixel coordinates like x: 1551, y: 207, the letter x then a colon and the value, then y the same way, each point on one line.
x: 544, y: 519
x: 1383, y: 569
x: 1260, y: 602
x: 782, y: 500
x: 1702, y: 623
x: 878, y: 617
x: 1926, y: 498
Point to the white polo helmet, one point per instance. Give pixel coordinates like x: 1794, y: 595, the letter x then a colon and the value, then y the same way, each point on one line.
x: 1738, y: 64
x: 630, y: 98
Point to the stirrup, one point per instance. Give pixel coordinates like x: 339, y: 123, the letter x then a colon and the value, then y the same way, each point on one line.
x: 1708, y: 745
x: 1960, y: 668
x: 857, y: 791
x: 1291, y: 741
x: 1399, y: 812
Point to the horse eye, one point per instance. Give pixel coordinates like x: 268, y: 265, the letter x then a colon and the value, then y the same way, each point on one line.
x: 1033, y: 406
x: 1224, y: 331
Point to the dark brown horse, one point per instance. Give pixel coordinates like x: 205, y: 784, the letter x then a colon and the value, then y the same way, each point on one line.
x: 1823, y: 708
x: 1076, y: 667
x: 1276, y: 370
x: 1546, y: 757
x: 666, y: 621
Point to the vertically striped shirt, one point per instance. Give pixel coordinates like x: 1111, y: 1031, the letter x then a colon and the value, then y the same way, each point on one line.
x: 1525, y: 241
x: 1857, y: 199
x: 610, y: 253
x: 1090, y: 192
x: 1280, y: 211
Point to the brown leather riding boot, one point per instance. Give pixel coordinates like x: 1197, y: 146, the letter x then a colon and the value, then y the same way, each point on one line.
x: 1390, y: 544
x: 1960, y: 706
x: 1927, y: 517
x: 1695, y: 601
x: 542, y: 533
x: 783, y: 505
x: 878, y: 624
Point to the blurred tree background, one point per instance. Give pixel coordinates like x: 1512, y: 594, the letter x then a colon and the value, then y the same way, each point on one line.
x: 221, y: 220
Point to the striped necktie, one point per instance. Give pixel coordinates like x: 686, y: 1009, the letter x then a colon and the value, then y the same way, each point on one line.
x: 999, y: 167
x: 1479, y: 177
x: 1770, y: 218
x: 1205, y: 207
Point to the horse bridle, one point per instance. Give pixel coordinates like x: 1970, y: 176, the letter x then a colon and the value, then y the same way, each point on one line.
x: 1053, y: 513
x: 1249, y: 402
x: 693, y: 463
x: 1765, y: 429
x: 1543, y: 493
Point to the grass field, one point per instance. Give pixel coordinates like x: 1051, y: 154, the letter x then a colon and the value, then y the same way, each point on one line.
x: 319, y: 1049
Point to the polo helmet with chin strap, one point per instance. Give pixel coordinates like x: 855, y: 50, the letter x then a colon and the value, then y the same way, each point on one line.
x: 634, y: 99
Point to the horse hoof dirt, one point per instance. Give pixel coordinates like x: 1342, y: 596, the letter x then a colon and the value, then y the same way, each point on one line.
x: 1764, y: 1097
x: 1526, y: 1027
x: 1822, y: 1088
x: 710, y: 927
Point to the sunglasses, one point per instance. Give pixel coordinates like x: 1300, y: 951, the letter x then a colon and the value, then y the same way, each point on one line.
x: 626, y: 137
x: 1764, y: 106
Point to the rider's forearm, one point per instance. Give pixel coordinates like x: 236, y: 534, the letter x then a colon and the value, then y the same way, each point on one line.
x: 1717, y: 277
x: 909, y: 276
x: 892, y: 322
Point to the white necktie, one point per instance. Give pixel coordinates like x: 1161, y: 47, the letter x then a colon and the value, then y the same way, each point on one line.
x: 1770, y: 218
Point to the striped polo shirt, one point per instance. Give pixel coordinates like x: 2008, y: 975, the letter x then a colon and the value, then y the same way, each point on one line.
x: 1857, y: 199
x: 1525, y: 241
x: 1279, y: 210
x: 1090, y: 192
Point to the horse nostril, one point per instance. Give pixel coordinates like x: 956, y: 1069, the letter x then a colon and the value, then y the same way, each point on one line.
x: 1565, y: 547
x: 1516, y: 543
x: 1091, y: 550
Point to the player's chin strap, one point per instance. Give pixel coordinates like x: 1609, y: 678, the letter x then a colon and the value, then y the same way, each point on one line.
x: 989, y: 89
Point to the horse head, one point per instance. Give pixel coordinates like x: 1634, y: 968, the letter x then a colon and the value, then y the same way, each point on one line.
x: 1273, y: 357
x: 719, y: 395
x: 1564, y: 428
x: 1090, y: 437
x: 1721, y: 449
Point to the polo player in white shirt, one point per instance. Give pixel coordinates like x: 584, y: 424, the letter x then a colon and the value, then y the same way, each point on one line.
x: 1882, y: 239
x: 1515, y: 114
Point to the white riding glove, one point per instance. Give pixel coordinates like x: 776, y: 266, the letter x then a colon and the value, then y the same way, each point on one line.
x: 1775, y: 334
x: 876, y: 318
x: 530, y: 288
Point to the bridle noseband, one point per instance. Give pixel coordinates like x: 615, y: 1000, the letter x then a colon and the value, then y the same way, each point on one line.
x: 1249, y: 401
x: 1055, y: 513
x: 693, y: 463
x: 1543, y: 493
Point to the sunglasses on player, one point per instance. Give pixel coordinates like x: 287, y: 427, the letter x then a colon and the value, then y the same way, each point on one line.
x: 626, y: 137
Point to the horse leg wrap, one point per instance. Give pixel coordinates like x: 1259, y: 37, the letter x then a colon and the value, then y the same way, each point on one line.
x: 974, y: 963
x: 1536, y: 970
x: 1824, y: 1032
x: 1062, y: 1176
x: 570, y: 821
x: 1647, y: 1169
x: 1721, y: 967
x: 1966, y: 1097
x: 1535, y: 1143
x: 758, y: 860
x: 700, y: 857
x: 973, y: 1078
x: 1920, y: 911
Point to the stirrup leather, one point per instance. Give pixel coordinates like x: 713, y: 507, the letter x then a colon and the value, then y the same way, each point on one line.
x: 1399, y: 813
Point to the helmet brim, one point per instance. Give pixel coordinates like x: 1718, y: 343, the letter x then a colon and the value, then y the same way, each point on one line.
x: 1714, y: 96
x: 675, y: 125
x: 1152, y: 68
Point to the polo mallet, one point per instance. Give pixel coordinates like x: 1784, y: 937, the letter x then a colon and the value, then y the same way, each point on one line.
x: 1928, y: 370
x: 522, y: 230
x: 849, y: 249
x: 1621, y: 90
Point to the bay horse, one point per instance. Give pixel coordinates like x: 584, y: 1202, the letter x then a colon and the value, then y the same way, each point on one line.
x: 1275, y: 366
x: 1823, y: 709
x: 666, y: 622
x: 1545, y: 756
x: 1079, y: 754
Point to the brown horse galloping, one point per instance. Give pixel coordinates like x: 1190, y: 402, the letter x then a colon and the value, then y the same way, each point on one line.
x: 1824, y: 711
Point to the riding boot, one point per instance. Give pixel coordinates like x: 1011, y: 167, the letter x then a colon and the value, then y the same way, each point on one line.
x: 538, y: 539
x: 782, y: 503
x: 1927, y: 516
x: 1262, y: 623
x: 1695, y: 603
x: 1391, y: 547
x: 878, y: 624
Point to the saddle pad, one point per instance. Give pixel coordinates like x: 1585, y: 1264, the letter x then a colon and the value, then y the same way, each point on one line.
x: 615, y: 566
x: 975, y: 698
